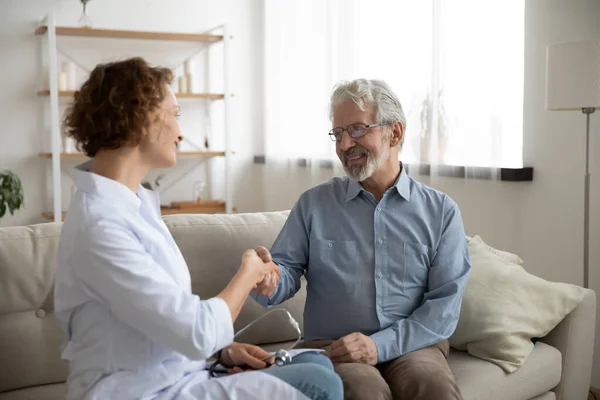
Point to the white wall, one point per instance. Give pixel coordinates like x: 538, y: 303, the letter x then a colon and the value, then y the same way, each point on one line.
x: 24, y: 116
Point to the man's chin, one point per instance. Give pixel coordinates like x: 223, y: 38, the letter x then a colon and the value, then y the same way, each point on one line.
x: 358, y: 174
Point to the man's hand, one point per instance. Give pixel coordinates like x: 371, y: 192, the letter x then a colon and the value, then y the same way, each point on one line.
x: 268, y: 285
x: 353, y: 348
x: 243, y: 355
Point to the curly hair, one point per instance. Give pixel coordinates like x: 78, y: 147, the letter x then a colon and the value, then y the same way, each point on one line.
x: 113, y: 106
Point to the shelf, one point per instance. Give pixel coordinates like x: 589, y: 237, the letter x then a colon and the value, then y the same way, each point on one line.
x: 202, y: 207
x: 123, y: 34
x: 50, y: 215
x: 179, y: 154
x: 210, y: 96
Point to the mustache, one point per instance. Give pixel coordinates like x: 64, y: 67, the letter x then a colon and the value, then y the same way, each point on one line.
x: 356, y: 150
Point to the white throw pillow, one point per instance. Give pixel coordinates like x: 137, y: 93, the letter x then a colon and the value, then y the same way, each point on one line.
x: 513, y: 258
x: 504, y: 307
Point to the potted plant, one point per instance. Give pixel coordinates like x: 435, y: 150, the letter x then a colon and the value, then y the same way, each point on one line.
x: 11, y: 192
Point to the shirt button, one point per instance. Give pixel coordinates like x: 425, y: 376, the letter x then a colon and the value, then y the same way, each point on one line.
x: 379, y: 309
x: 330, y: 244
x: 380, y: 275
x: 379, y: 209
x: 380, y: 241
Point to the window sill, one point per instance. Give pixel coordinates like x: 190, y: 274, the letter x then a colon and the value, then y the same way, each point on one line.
x: 524, y: 174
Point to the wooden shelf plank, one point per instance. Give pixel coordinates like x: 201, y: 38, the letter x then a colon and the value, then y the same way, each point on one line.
x: 126, y: 34
x: 179, y: 154
x: 207, y: 207
x: 210, y: 96
x: 50, y: 215
x: 202, y: 207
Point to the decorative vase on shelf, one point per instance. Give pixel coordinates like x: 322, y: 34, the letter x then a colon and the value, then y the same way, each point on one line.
x: 85, y: 19
x: 198, y: 188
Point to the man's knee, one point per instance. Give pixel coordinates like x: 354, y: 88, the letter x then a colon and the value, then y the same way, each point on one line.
x: 430, y: 384
x: 423, y: 374
x: 362, y: 382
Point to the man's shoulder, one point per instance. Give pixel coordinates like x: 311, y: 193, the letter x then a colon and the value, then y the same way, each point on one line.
x: 333, y: 187
x: 429, y: 196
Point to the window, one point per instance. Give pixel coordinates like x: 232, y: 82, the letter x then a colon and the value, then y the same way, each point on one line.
x: 457, y: 67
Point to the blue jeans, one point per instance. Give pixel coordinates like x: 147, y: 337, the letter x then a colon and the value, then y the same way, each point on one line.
x: 312, y: 374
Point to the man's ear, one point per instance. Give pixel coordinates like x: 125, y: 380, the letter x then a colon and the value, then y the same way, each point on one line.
x: 397, y: 134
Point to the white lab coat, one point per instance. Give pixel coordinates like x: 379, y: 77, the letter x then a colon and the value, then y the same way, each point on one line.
x: 123, y: 294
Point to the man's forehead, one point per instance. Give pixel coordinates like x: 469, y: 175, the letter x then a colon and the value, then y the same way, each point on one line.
x: 349, y: 109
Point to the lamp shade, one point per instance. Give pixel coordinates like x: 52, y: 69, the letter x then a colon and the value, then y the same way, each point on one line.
x: 573, y: 75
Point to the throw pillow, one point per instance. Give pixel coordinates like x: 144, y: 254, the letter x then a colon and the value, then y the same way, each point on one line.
x: 513, y: 258
x: 504, y: 307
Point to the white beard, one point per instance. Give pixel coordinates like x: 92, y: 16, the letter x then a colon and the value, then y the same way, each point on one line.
x: 361, y: 172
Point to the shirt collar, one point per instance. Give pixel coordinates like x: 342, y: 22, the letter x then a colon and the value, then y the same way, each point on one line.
x: 402, y: 186
x: 109, y: 189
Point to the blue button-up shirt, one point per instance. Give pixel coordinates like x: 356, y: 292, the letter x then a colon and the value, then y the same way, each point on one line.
x: 395, y: 269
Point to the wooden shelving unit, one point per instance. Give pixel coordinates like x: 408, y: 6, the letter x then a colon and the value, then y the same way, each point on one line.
x: 126, y: 34
x: 179, y: 154
x: 198, y: 40
x: 208, y: 96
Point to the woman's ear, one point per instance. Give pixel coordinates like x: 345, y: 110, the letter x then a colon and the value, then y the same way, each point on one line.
x: 397, y: 134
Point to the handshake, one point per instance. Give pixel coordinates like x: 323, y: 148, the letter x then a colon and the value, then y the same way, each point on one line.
x: 262, y: 270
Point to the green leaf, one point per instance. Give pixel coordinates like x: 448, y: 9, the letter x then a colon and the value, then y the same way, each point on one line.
x: 11, y: 192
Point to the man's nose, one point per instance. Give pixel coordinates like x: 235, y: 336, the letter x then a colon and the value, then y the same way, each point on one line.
x: 347, y: 142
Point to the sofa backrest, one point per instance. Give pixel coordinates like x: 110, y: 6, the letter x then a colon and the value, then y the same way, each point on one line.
x: 30, y: 337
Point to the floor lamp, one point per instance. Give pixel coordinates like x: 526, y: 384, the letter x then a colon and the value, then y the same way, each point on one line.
x: 573, y: 83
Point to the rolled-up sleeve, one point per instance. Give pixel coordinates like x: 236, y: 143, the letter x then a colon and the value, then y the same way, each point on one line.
x: 290, y: 251
x: 116, y: 270
x: 437, y: 316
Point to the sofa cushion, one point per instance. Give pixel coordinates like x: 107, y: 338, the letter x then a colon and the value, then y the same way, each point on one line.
x: 504, y: 307
x: 479, y: 379
x: 30, y: 336
x: 212, y: 246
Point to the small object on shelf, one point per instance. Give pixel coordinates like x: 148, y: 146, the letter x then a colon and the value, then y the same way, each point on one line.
x: 198, y: 190
x: 85, y: 19
x: 189, y: 80
x: 206, y: 142
x: 188, y: 67
x: 182, y: 84
x: 70, y: 69
x: 68, y: 145
x: 62, y: 80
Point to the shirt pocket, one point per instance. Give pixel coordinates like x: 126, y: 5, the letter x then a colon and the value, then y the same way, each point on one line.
x: 415, y: 259
x: 332, y: 266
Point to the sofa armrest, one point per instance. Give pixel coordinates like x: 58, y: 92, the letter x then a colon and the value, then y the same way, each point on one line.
x: 574, y: 338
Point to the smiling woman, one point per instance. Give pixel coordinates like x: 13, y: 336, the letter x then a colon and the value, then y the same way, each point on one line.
x: 123, y: 289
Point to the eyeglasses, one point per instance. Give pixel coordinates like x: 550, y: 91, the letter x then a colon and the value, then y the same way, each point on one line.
x: 355, y: 131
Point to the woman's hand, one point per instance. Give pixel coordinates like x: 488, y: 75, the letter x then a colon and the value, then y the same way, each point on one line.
x: 244, y: 355
x: 259, y: 265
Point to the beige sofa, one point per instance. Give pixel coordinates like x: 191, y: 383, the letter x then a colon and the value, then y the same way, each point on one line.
x: 30, y: 338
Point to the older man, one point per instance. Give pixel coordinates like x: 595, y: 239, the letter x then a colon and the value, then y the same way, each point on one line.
x: 385, y: 258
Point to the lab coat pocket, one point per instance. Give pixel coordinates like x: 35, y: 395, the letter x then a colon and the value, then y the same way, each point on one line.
x: 332, y: 266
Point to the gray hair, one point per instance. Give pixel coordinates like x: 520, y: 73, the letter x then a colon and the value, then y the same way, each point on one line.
x: 373, y: 92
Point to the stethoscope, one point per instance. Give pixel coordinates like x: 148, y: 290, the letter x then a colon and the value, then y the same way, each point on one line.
x: 280, y: 358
